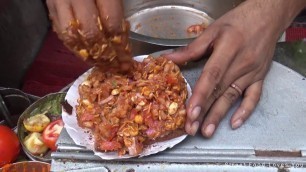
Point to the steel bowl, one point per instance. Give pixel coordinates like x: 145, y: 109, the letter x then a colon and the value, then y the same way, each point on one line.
x: 162, y: 24
x: 50, y: 103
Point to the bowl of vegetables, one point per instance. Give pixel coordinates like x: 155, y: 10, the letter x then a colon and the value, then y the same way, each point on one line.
x: 39, y: 127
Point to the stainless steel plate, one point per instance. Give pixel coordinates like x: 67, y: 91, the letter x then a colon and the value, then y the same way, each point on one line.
x: 168, y: 22
x: 162, y: 24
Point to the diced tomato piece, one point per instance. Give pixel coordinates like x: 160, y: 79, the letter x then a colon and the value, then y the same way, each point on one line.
x: 133, y: 114
x: 110, y: 145
x: 171, y: 80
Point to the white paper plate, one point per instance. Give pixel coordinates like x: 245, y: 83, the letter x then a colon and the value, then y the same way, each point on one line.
x: 84, y: 138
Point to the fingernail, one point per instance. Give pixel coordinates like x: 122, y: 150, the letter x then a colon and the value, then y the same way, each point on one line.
x: 194, y: 128
x: 237, y: 124
x: 240, y: 112
x: 209, y: 130
x: 195, y: 113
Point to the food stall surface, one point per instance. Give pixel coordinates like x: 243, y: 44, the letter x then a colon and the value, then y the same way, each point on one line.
x: 273, y: 139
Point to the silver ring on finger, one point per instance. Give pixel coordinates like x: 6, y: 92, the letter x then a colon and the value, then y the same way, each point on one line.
x: 237, y: 88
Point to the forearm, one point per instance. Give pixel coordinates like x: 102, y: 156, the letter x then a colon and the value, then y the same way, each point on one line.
x: 281, y: 11
x: 289, y: 10
x: 275, y: 14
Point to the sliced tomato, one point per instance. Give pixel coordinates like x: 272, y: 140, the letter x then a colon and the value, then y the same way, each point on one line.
x: 110, y: 145
x: 52, y: 132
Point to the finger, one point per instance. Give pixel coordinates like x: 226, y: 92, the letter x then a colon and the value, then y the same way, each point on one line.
x: 112, y: 18
x: 194, y: 51
x: 87, y: 14
x: 111, y: 13
x: 90, y: 32
x: 221, y: 106
x: 53, y: 15
x: 250, y: 100
x: 209, y: 86
x: 64, y: 17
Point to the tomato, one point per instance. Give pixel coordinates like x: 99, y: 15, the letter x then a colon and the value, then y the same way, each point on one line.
x: 110, y: 145
x: 52, y: 132
x: 9, y: 145
x: 171, y: 80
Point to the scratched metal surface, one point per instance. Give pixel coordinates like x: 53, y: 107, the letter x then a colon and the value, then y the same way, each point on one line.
x: 278, y: 123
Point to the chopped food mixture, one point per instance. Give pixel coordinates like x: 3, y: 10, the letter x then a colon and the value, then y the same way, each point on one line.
x: 128, y: 111
x: 196, y: 29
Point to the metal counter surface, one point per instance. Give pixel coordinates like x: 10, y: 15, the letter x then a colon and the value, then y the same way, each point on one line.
x: 277, y: 124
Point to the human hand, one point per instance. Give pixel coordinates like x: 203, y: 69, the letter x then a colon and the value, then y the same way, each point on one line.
x: 242, y: 44
x: 95, y: 30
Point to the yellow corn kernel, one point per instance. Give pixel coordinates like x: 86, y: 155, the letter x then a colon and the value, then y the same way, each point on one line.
x: 138, y: 119
x: 115, y: 92
x: 146, y: 91
x: 117, y: 39
x: 84, y: 53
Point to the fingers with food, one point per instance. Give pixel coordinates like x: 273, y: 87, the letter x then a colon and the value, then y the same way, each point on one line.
x: 96, y: 31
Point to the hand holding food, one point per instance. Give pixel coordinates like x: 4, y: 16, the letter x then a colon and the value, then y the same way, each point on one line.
x: 95, y: 30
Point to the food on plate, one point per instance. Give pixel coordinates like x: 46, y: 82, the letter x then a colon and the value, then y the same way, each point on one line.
x: 52, y: 132
x: 127, y: 112
x: 34, y: 144
x: 9, y: 145
x: 36, y: 123
x: 196, y: 29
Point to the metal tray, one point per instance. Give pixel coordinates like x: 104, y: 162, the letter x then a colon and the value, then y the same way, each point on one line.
x: 272, y: 139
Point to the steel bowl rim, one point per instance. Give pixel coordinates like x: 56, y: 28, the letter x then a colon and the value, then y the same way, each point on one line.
x: 160, y: 41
